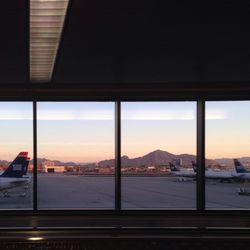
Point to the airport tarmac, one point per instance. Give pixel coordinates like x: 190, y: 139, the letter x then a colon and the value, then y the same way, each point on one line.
x: 59, y: 191
x: 19, y: 197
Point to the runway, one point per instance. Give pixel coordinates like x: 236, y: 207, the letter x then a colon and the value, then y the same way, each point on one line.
x: 60, y: 191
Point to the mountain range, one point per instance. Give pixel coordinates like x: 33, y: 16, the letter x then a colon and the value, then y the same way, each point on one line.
x: 157, y: 157
x: 229, y: 161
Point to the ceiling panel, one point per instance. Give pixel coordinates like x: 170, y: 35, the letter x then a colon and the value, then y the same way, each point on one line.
x: 13, y: 42
x: 149, y: 43
x: 127, y: 44
x: 227, y: 46
x: 131, y: 42
x: 90, y: 46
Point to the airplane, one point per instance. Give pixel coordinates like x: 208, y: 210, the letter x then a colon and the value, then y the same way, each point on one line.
x: 182, y: 174
x: 195, y: 166
x: 222, y: 175
x: 15, y: 174
x: 240, y: 169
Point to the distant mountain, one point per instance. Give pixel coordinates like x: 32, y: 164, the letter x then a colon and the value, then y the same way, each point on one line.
x: 229, y: 161
x: 56, y: 162
x: 3, y: 162
x: 61, y: 163
x: 157, y: 157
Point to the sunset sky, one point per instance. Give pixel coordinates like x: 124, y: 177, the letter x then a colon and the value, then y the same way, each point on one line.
x: 228, y: 136
x: 84, y: 131
x: 154, y: 125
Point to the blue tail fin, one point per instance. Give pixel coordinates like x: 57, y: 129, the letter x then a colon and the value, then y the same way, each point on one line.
x: 194, y: 166
x: 239, y: 166
x: 173, y: 168
x: 18, y: 167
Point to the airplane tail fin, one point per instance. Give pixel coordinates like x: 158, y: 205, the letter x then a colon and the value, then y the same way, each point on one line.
x: 239, y: 166
x: 194, y: 166
x: 173, y: 168
x: 26, y: 165
x: 18, y: 167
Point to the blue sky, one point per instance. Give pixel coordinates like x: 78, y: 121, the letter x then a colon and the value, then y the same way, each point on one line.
x: 84, y: 131
x: 230, y: 135
x: 166, y: 126
x: 16, y: 126
x: 79, y: 131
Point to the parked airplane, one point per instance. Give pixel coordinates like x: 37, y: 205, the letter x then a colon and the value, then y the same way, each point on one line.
x: 195, y: 166
x: 222, y: 175
x: 182, y: 174
x: 15, y: 174
x: 240, y: 169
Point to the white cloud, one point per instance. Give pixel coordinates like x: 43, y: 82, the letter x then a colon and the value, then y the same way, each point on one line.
x: 216, y: 114
x: 154, y: 114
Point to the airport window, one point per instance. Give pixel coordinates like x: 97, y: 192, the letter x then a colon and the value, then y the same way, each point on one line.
x: 75, y: 145
x: 76, y: 160
x: 227, y: 154
x: 16, y: 163
x: 158, y: 148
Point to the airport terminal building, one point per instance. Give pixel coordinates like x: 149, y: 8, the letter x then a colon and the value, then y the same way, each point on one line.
x: 53, y: 169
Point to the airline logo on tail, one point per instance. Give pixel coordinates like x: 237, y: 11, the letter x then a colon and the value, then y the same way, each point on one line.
x: 18, y: 167
x: 173, y: 168
x: 239, y: 167
x: 194, y: 166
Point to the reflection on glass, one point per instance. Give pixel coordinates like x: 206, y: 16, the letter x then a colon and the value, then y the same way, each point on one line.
x: 158, y: 148
x: 228, y: 155
x: 75, y: 143
x: 46, y: 24
x: 16, y: 177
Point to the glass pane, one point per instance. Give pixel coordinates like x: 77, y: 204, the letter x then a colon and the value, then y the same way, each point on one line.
x: 158, y: 148
x: 74, y: 140
x: 16, y: 133
x: 228, y: 155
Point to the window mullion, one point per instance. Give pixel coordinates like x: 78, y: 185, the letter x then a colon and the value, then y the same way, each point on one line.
x: 118, y: 155
x: 200, y: 155
x: 34, y: 155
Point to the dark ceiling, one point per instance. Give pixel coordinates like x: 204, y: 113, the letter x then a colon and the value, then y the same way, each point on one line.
x: 127, y: 43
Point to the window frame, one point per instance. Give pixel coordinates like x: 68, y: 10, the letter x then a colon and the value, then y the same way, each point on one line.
x: 200, y: 184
